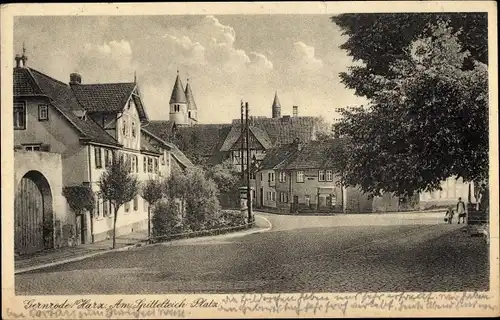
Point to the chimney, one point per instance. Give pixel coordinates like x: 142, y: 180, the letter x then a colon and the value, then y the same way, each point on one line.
x: 75, y: 78
x: 295, y: 111
x: 298, y: 144
x: 18, y: 61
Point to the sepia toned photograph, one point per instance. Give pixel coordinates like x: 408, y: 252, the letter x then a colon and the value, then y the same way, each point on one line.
x: 241, y: 154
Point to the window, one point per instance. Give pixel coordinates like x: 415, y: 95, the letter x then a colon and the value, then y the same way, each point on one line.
x: 156, y: 164
x: 127, y: 206
x: 98, y: 157
x: 300, y: 176
x: 321, y: 175
x: 43, y: 112
x: 32, y: 147
x: 144, y: 163
x: 136, y: 164
x: 97, y: 208
x: 105, y: 208
x: 145, y: 204
x: 150, y: 165
x: 261, y: 176
x: 133, y: 164
x: 282, y: 176
x: 273, y: 196
x: 124, y: 128
x: 19, y: 116
x: 133, y: 129
x: 108, y: 155
x: 329, y: 175
x: 189, y: 114
x: 283, y: 197
x: 136, y: 203
x: 163, y: 157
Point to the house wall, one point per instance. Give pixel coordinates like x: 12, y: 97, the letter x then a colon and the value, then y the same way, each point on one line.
x: 127, y: 221
x: 60, y: 135
x: 129, y: 127
x: 452, y: 189
x: 50, y: 166
x: 263, y: 182
x: 107, y: 121
x: 357, y: 201
x: 310, y: 187
x: 283, y: 187
x: 385, y: 203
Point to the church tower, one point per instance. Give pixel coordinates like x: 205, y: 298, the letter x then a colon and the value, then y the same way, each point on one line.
x: 276, y: 106
x: 192, y: 109
x: 178, y: 104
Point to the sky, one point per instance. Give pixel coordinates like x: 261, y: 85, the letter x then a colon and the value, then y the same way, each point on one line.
x: 227, y: 58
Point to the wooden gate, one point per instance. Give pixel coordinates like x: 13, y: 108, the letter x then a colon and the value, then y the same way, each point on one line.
x: 30, y: 206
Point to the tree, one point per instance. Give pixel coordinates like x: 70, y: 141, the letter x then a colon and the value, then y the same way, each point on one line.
x: 81, y: 198
x: 428, y: 119
x: 118, y: 186
x: 226, y: 176
x: 152, y: 192
x: 202, y: 199
x: 378, y: 40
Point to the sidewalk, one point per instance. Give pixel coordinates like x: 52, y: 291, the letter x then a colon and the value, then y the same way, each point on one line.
x: 125, y: 242
x: 68, y: 254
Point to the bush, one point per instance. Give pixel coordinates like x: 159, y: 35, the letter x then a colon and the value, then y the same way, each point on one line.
x: 166, y: 219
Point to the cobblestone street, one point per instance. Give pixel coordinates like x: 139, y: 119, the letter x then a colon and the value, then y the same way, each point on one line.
x: 412, y: 252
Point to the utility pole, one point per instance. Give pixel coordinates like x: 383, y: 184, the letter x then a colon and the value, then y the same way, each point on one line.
x: 242, y: 136
x: 249, y: 191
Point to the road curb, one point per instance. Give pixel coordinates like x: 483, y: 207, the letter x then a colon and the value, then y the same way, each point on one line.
x: 74, y: 259
x: 140, y: 245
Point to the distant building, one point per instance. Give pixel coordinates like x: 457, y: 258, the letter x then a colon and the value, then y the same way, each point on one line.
x: 208, y: 144
x: 451, y: 189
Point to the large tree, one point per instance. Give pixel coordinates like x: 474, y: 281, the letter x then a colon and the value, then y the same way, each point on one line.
x: 429, y: 91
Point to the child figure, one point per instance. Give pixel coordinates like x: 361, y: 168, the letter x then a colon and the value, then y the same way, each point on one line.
x: 449, y: 215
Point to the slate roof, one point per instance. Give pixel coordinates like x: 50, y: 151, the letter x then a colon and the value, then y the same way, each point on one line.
x: 285, y: 130
x: 181, y: 157
x: 315, y: 155
x: 178, y: 94
x: 24, y: 84
x: 107, y: 97
x: 61, y: 97
x: 147, y: 146
x: 190, y: 98
x: 276, y: 156
x: 235, y: 133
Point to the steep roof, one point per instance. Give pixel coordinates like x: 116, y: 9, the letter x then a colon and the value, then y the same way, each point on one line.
x: 315, y: 155
x: 276, y: 102
x: 61, y: 97
x: 191, y: 104
x: 180, y: 157
x: 285, y: 130
x: 276, y: 156
x: 200, y: 143
x: 108, y: 97
x: 178, y: 95
x: 235, y: 133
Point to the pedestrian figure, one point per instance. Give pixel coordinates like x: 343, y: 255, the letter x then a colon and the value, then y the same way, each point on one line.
x: 461, y: 210
x: 448, y: 217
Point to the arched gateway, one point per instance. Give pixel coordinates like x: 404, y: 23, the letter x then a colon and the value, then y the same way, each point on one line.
x: 33, y: 216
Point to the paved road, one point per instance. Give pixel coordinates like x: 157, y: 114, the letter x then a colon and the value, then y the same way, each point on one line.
x: 386, y: 252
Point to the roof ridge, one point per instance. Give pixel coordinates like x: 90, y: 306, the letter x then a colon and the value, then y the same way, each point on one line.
x: 99, y: 84
x: 46, y: 76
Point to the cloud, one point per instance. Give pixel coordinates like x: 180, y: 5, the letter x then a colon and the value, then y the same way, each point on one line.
x: 113, y: 55
x: 304, y: 57
x: 211, y: 43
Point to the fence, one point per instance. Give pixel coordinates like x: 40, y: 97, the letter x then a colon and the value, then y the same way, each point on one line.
x: 201, y: 233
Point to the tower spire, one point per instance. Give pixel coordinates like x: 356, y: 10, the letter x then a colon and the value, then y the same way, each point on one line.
x: 276, y: 108
x: 135, y: 76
